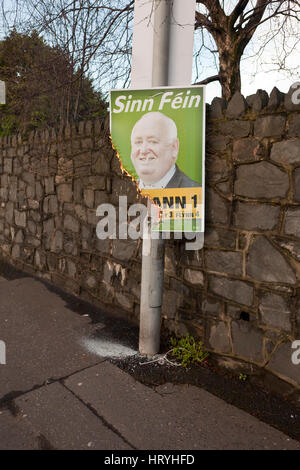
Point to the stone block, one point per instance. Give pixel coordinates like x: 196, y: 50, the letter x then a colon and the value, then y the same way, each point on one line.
x: 124, y: 250
x: 104, y: 246
x: 33, y: 204
x: 235, y: 312
x: 217, y: 108
x: 29, y: 178
x: 235, y: 128
x: 269, y: 126
x: 124, y: 300
x: 101, y: 197
x: 17, y: 167
x: 275, y: 312
x: 94, y: 182
x: 70, y: 223
x: 220, y: 238
x: 237, y: 106
x: 40, y: 259
x: 194, y: 277
x: 170, y: 262
x: 19, y: 238
x: 70, y: 247
x: 100, y: 163
x: 3, y: 194
x: 219, y: 338
x: 227, y: 262
x: 89, y: 198
x: 39, y: 190
x: 30, y: 240
x: 216, y: 169
x: 260, y: 101
x: 64, y: 192
x: 35, y: 214
x: 286, y: 152
x: 30, y: 192
x: 292, y: 247
x: 249, y: 216
x: 217, y: 208
x: 292, y: 98
x: 238, y: 291
x: 81, y: 212
x: 216, y: 143
x: 281, y: 363
x: 92, y: 219
x: 31, y: 227
x: 71, y: 268
x: 225, y: 187
x: 171, y: 302
x: 50, y: 205
x: 292, y: 222
x: 86, y: 143
x: 250, y: 99
x: 297, y: 184
x: 294, y: 126
x: 8, y: 166
x: 49, y: 185
x: 48, y: 226
x: 20, y: 218
x: 22, y: 203
x: 15, y: 252
x: 13, y: 191
x: 246, y: 150
x: 247, y: 341
x: 78, y: 188
x: 276, y: 97
x: 261, y: 180
x: 187, y: 258
x: 51, y: 262
x: 90, y: 281
x: 124, y: 187
x: 56, y: 242
x: 211, y: 307
x: 265, y: 263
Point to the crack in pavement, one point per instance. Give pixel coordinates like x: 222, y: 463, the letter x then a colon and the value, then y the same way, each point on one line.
x: 103, y: 420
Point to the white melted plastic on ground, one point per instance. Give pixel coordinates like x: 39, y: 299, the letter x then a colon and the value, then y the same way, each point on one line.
x: 105, y: 348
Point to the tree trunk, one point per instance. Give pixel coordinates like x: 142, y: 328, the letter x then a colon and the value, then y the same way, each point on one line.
x: 229, y: 66
x: 230, y: 75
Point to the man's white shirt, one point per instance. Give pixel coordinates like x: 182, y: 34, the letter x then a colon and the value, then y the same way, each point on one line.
x: 162, y: 183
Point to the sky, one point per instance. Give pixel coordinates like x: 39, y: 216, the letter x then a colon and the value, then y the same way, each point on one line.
x: 256, y: 74
x: 259, y: 72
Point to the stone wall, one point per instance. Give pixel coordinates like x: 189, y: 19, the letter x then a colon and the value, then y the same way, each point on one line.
x: 241, y: 293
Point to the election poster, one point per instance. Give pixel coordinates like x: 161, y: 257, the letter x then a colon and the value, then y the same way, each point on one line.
x: 159, y: 135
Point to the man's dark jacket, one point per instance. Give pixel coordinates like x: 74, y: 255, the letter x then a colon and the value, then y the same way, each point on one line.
x: 181, y: 180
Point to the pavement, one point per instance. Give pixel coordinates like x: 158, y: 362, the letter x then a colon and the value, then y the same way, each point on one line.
x: 60, y: 390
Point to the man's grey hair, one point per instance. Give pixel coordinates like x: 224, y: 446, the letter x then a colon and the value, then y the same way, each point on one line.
x: 160, y: 117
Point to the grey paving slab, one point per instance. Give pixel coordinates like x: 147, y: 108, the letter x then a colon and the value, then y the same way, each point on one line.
x: 16, y: 434
x: 208, y: 418
x: 41, y: 334
x: 171, y: 417
x: 66, y: 423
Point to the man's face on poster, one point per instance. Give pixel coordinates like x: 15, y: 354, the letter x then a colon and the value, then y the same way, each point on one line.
x: 154, y: 146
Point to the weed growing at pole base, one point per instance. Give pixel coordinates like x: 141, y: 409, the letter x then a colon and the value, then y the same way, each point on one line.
x: 187, y: 350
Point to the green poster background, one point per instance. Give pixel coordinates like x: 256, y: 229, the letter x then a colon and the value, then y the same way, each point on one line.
x: 189, y: 122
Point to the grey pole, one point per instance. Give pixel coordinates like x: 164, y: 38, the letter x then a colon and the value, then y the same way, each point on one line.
x: 162, y: 55
x: 153, y: 256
